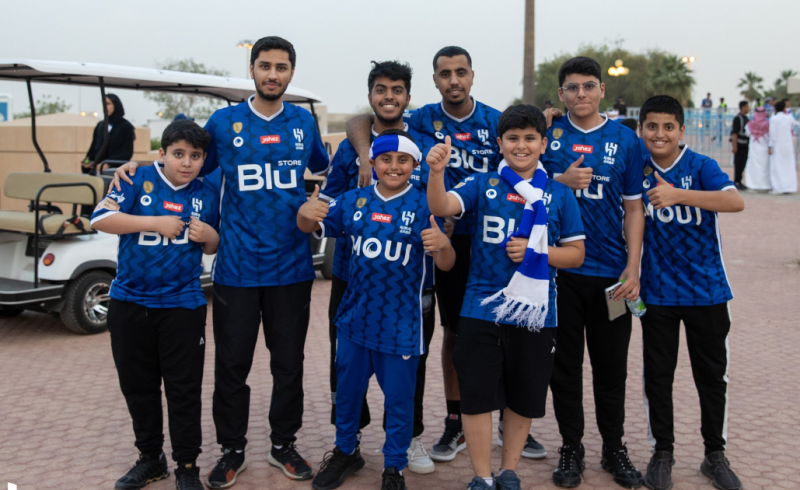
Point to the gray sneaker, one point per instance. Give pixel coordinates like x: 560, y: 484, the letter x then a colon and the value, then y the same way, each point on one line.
x: 659, y: 471
x: 532, y: 449
x: 451, y: 443
x: 507, y: 480
x: 717, y: 467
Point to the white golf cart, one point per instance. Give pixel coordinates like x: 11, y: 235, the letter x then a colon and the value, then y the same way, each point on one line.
x: 52, y: 260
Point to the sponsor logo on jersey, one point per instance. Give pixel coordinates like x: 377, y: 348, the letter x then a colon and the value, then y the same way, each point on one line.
x: 108, y: 204
x: 438, y: 125
x: 382, y: 218
x: 361, y: 202
x: 578, y: 148
x: 494, y: 182
x: 515, y: 198
x: 439, y: 135
x: 459, y: 185
x: 463, y: 136
x: 270, y: 139
x: 483, y: 134
x: 557, y: 133
x: 408, y: 218
x: 491, y: 193
x: 611, y: 148
x: 146, y: 200
x: 555, y: 145
x: 147, y: 186
x: 298, y: 135
x: 237, y: 127
x: 171, y: 206
x: 197, y: 204
x: 238, y: 141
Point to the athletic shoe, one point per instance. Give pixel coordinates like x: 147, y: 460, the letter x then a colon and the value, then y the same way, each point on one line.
x: 507, y: 480
x: 146, y: 470
x: 393, y: 480
x: 290, y: 462
x: 478, y: 483
x: 451, y: 443
x: 227, y: 469
x: 570, y: 466
x: 418, y: 459
x: 717, y: 467
x: 335, y: 467
x: 187, y: 477
x: 619, y: 465
x: 659, y: 471
x: 532, y: 449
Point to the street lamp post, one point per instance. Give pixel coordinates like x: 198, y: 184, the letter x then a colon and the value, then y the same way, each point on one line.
x: 688, y: 60
x: 248, y: 45
x: 618, y: 71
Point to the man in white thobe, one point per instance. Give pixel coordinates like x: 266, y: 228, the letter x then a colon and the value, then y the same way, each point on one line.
x: 783, y: 168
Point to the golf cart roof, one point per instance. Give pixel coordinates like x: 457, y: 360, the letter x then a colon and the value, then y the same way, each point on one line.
x: 133, y: 78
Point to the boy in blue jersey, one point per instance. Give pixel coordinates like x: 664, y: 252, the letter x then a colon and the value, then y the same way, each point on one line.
x: 684, y: 279
x: 527, y: 226
x: 157, y: 314
x: 601, y: 161
x: 263, y: 271
x: 389, y: 85
x: 379, y: 321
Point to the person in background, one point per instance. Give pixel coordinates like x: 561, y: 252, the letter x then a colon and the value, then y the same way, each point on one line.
x: 740, y: 143
x: 621, y: 108
x: 120, y: 137
x: 769, y: 105
x: 782, y: 163
x: 707, y: 103
x: 756, y: 171
x: 723, y: 105
x: 548, y: 104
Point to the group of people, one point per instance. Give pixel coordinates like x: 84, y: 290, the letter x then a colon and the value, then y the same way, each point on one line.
x: 529, y: 230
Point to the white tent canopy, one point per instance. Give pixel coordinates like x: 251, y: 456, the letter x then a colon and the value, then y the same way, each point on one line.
x: 133, y: 78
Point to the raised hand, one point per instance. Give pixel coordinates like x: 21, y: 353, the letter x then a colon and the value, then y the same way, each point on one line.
x: 432, y: 238
x: 576, y: 177
x: 439, y: 156
x: 664, y: 194
x: 314, y: 209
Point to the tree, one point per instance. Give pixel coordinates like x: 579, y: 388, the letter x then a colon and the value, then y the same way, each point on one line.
x: 753, y: 86
x: 195, y: 106
x: 46, y: 105
x: 668, y: 75
x: 780, y: 91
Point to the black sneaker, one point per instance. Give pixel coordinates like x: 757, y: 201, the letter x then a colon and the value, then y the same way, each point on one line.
x: 451, y: 443
x: 290, y: 462
x: 335, y: 467
x: 393, y: 480
x: 717, y: 467
x: 146, y: 470
x: 227, y: 469
x: 187, y: 477
x: 570, y: 466
x: 619, y: 465
x: 659, y: 471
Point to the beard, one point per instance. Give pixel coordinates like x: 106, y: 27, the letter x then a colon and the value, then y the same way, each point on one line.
x: 387, y: 121
x: 271, y: 97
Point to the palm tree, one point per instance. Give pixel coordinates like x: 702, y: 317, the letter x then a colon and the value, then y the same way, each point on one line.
x: 669, y: 75
x: 529, y: 68
x: 753, y: 84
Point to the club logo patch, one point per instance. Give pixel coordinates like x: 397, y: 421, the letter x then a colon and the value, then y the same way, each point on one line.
x: 147, y: 186
x: 494, y: 182
x: 557, y: 133
x: 578, y: 148
x: 237, y: 127
x: 171, y: 206
x: 270, y: 139
x: 382, y: 218
x: 361, y: 202
x: 438, y: 125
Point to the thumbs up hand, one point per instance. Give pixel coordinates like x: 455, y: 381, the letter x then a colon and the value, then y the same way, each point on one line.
x: 664, y: 194
x: 314, y: 209
x: 432, y: 238
x: 576, y: 177
x: 439, y: 156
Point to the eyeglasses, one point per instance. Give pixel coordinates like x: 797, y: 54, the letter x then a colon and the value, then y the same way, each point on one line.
x: 574, y: 88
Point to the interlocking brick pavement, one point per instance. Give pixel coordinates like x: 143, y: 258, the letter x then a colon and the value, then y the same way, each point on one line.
x: 64, y: 424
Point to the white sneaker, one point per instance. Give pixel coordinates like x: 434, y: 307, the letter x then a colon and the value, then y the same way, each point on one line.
x: 418, y: 459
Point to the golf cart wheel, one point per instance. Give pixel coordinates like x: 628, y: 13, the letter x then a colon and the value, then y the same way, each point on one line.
x: 327, y: 264
x: 86, y: 303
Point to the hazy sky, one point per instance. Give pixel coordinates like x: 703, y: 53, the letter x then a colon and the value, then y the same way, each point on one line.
x: 335, y: 40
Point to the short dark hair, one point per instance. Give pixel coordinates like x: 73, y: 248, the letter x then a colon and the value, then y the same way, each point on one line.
x: 580, y: 65
x: 522, y: 116
x: 450, y: 52
x: 662, y: 104
x: 188, y: 131
x: 743, y: 103
x: 393, y: 70
x: 273, y: 42
x: 630, y: 122
x: 398, y: 132
x: 780, y: 106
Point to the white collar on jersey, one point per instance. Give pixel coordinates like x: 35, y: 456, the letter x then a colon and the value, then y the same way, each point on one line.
x: 387, y: 199
x: 454, y: 118
x: 262, y: 116
x: 665, y: 170
x: 158, y: 166
x: 375, y: 133
x: 605, y: 120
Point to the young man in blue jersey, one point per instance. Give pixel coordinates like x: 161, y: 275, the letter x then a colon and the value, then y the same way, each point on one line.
x: 601, y: 161
x: 389, y: 85
x: 379, y: 320
x: 263, y: 270
x: 684, y: 279
x: 157, y: 314
x: 527, y: 226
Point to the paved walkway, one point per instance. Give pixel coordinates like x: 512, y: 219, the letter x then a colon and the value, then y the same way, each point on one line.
x: 63, y: 421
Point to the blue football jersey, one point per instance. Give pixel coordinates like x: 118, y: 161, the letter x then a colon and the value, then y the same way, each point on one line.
x: 473, y: 144
x: 498, y: 210
x: 682, y: 261
x: 152, y: 270
x: 263, y: 161
x: 613, y: 153
x: 382, y: 306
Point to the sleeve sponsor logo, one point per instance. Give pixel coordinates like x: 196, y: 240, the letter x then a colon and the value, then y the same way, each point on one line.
x: 108, y: 204
x: 270, y: 138
x: 515, y: 198
x: 382, y: 218
x: 463, y: 136
x: 578, y: 148
x: 171, y: 206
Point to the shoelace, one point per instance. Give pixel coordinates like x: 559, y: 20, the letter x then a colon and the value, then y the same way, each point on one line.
x: 142, y: 468
x: 187, y: 479
x: 417, y: 448
x: 332, y: 460
x: 449, y: 437
x: 227, y: 461
x: 721, y: 465
x: 290, y: 452
x: 621, y: 455
x: 568, y: 455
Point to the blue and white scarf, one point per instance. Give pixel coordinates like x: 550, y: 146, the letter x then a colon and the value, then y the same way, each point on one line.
x: 526, y: 297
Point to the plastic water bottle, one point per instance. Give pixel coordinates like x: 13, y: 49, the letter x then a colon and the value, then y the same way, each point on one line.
x: 637, y: 307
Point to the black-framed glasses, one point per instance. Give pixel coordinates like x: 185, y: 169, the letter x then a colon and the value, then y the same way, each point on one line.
x: 574, y: 88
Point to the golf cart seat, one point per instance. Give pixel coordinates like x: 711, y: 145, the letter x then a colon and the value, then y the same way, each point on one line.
x: 44, y: 188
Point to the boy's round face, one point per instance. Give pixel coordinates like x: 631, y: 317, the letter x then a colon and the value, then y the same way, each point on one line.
x: 661, y: 134
x: 581, y: 102
x: 394, y: 169
x: 521, y: 149
x: 453, y: 78
x: 389, y: 98
x: 182, y: 162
